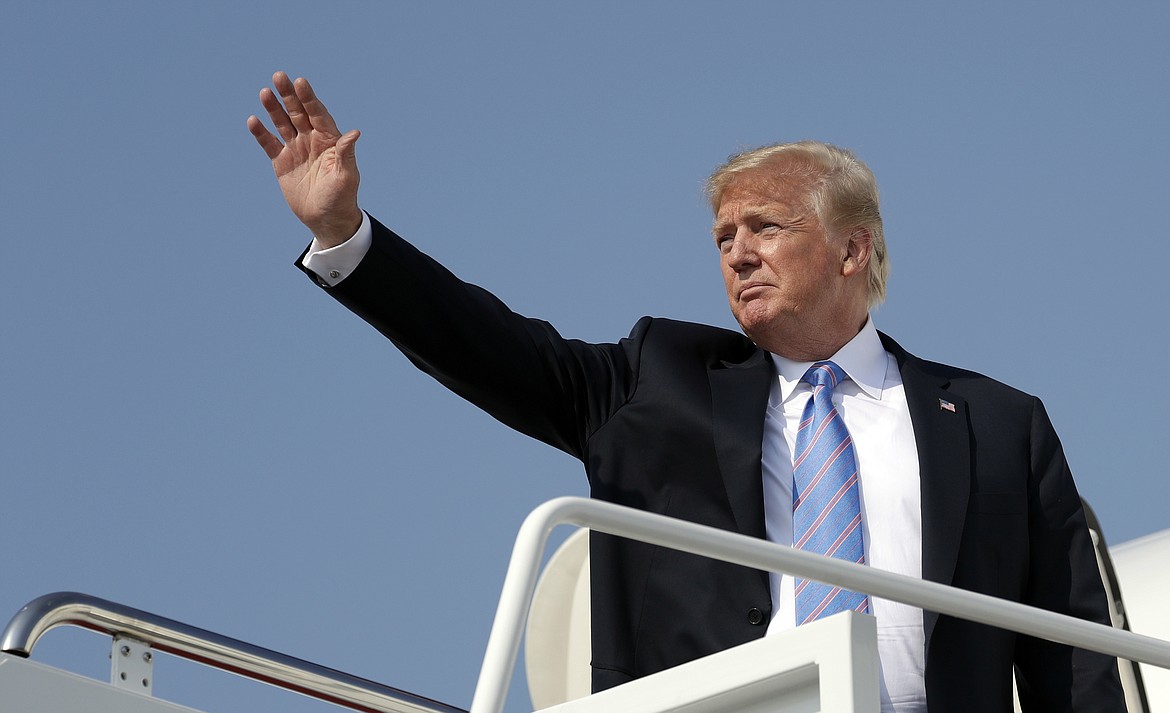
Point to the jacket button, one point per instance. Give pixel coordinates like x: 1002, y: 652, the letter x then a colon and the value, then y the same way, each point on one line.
x: 755, y: 616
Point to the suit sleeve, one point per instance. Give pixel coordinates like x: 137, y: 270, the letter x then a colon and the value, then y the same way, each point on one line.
x: 520, y: 370
x: 1063, y: 577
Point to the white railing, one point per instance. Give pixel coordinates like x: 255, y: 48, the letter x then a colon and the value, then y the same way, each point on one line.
x: 520, y: 582
x: 343, y: 689
x: 47, y: 612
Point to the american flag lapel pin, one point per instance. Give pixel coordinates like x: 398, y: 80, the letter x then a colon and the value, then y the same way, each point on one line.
x: 944, y: 405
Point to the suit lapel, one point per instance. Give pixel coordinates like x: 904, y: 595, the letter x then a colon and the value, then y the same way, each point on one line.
x: 739, y: 398
x: 943, y: 442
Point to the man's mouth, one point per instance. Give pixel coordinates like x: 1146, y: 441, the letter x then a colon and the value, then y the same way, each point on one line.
x: 750, y: 290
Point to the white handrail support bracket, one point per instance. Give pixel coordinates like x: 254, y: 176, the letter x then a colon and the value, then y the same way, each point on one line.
x: 132, y: 665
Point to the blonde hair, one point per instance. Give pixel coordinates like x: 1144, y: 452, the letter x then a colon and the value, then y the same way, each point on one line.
x: 845, y: 194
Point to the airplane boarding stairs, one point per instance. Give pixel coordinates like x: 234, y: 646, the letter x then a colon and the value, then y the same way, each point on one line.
x: 829, y: 665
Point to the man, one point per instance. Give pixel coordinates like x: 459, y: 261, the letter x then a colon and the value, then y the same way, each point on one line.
x: 932, y: 471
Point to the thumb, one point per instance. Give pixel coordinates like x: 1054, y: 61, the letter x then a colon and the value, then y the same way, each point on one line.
x: 346, y: 148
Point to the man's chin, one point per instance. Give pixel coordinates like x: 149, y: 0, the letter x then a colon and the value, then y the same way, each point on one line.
x: 756, y: 320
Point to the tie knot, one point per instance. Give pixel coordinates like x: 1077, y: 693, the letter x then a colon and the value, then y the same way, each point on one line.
x: 824, y: 373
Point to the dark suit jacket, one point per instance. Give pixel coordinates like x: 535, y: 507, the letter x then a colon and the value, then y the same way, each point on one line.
x: 670, y: 420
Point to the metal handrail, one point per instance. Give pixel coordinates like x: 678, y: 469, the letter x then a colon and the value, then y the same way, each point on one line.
x: 520, y: 582
x: 206, y: 647
x: 70, y: 608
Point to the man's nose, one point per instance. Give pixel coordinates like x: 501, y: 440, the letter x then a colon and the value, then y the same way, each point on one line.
x: 743, y: 252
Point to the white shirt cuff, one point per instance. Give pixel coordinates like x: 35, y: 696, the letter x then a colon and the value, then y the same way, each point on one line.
x: 332, y: 265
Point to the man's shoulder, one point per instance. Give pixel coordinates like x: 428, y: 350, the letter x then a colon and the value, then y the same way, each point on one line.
x: 661, y: 333
x: 667, y: 328
x: 959, y: 380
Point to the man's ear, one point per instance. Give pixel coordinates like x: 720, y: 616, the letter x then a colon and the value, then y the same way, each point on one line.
x: 858, y: 249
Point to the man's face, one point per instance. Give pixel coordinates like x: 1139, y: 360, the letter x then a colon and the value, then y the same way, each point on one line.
x: 784, y: 277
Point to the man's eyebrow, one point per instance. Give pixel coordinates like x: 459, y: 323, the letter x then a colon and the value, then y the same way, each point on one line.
x: 752, y: 213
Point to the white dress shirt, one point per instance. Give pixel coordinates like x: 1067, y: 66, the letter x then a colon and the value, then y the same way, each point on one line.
x: 332, y: 265
x: 872, y: 402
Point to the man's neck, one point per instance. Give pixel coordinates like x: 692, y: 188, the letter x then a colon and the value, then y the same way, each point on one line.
x: 808, y: 347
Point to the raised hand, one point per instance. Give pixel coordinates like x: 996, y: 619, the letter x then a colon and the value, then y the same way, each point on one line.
x: 315, y: 164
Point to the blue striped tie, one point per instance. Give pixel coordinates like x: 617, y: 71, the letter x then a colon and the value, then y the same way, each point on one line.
x: 826, y: 510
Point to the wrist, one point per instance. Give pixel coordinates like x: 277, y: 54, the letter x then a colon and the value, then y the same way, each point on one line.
x: 334, y: 232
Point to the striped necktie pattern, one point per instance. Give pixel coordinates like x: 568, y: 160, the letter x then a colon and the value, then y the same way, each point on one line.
x: 826, y: 508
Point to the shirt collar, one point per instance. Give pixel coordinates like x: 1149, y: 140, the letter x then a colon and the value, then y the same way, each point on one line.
x: 863, y: 359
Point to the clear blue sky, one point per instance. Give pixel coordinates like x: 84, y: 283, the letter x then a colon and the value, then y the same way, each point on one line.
x: 192, y: 428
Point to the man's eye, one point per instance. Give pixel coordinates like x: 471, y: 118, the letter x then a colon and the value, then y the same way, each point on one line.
x: 723, y: 242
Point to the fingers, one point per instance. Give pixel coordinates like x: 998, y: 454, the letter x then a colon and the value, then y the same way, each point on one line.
x: 295, y: 112
x: 292, y: 103
x: 319, y: 117
x: 276, y: 112
x: 271, y: 145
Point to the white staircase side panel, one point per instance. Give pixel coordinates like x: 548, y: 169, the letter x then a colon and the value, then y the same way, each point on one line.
x: 32, y: 687
x: 830, y: 666
x: 1142, y: 575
